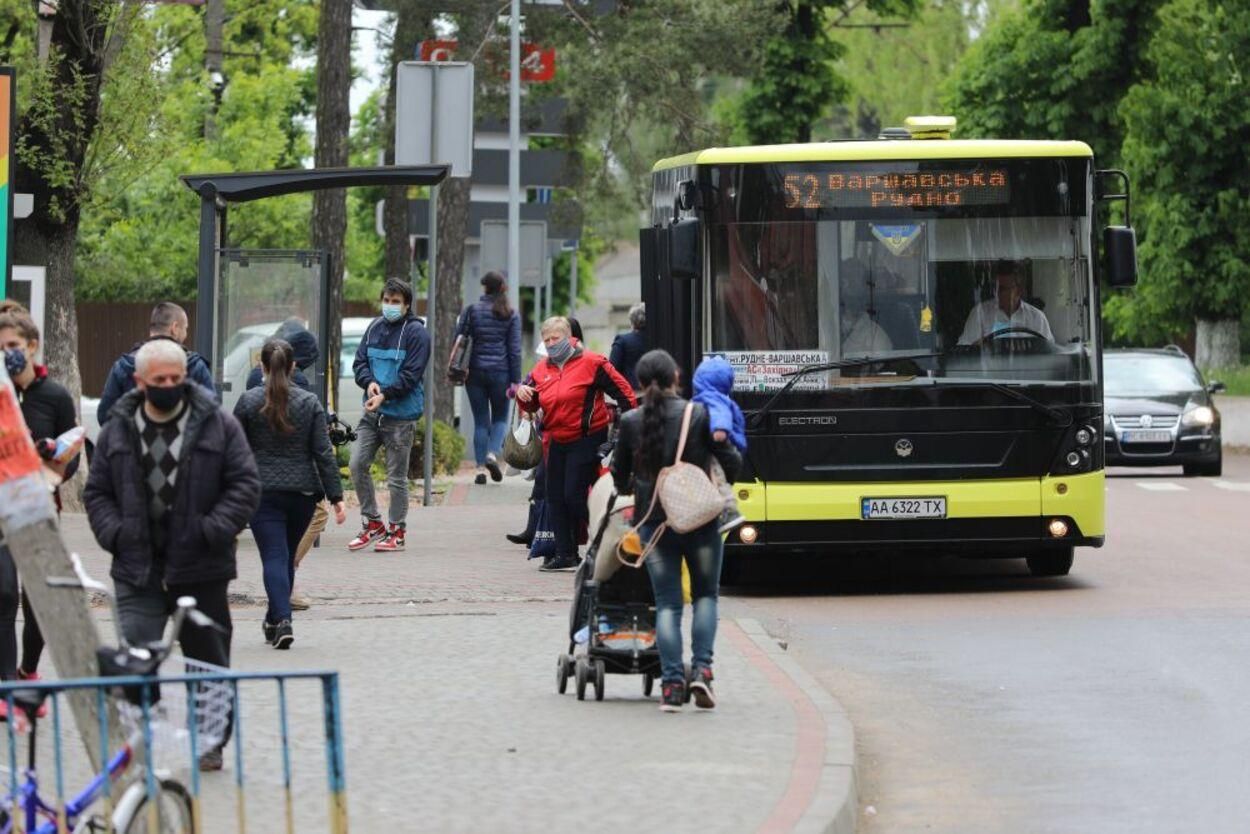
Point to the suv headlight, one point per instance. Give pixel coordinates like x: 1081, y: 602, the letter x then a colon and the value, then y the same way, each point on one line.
x: 1203, y: 415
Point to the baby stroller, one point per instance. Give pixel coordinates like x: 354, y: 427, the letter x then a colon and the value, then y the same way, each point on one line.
x: 612, y: 619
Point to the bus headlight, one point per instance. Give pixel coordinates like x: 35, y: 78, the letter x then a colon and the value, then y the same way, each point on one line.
x: 1203, y: 415
x: 1073, y: 459
x: 1058, y: 528
x: 747, y: 534
x: 1084, y: 436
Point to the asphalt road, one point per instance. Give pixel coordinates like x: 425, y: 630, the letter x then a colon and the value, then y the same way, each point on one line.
x: 1113, y: 700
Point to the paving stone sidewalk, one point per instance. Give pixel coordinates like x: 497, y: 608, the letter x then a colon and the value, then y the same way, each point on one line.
x: 447, y: 658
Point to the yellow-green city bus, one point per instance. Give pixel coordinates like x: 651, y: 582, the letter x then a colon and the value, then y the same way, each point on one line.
x: 914, y: 328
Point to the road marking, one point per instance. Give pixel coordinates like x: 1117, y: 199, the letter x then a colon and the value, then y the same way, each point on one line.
x: 1236, y: 486
x: 1162, y: 486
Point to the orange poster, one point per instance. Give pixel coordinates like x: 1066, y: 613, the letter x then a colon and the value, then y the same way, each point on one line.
x: 17, y: 453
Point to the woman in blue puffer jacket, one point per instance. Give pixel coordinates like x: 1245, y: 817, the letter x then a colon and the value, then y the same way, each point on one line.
x: 494, y: 365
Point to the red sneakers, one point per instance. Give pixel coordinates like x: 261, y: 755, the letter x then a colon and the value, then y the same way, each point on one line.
x: 394, y: 540
x: 373, y: 530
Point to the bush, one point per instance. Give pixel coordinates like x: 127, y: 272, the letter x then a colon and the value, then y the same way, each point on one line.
x: 448, y: 450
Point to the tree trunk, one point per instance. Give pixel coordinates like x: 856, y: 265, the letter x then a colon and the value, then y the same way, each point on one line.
x: 411, y: 24
x: 214, y: 23
x: 329, y: 215
x: 453, y: 221
x: 1218, y: 343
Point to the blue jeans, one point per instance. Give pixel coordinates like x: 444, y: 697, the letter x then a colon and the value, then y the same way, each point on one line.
x: 703, y: 550
x: 488, y: 397
x: 278, y: 526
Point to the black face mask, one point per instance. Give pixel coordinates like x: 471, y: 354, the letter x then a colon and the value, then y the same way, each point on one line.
x: 15, y: 361
x: 165, y: 399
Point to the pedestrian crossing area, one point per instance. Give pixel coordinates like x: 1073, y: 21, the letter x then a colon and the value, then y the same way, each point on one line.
x: 1187, y: 484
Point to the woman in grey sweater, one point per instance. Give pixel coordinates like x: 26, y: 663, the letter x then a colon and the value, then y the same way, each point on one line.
x: 286, y: 428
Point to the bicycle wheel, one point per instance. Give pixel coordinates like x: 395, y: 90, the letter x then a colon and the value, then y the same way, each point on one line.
x: 174, y: 805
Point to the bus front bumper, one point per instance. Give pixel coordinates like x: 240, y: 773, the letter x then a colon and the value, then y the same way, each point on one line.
x: 991, y: 516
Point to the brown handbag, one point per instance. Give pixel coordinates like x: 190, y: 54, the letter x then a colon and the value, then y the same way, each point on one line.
x: 461, y: 350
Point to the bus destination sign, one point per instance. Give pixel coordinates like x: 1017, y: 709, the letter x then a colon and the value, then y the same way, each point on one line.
x: 924, y: 189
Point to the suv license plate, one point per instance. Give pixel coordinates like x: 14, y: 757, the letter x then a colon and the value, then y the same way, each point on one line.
x: 894, y: 508
x: 1146, y: 436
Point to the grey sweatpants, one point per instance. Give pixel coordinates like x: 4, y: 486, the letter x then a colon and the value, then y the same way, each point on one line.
x: 395, y: 436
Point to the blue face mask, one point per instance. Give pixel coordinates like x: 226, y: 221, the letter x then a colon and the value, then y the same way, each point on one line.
x: 392, y: 312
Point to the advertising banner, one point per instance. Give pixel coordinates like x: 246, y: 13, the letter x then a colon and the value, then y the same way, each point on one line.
x: 7, y: 114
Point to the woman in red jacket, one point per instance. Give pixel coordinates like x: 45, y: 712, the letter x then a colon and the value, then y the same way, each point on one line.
x: 569, y: 386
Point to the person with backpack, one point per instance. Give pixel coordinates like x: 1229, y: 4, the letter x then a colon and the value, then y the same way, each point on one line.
x: 389, y: 368
x: 168, y: 322
x: 286, y: 429
x: 494, y: 365
x: 648, y: 443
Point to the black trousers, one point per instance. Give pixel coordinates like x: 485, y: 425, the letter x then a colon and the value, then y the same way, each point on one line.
x: 32, y: 637
x: 144, y: 613
x: 572, y: 469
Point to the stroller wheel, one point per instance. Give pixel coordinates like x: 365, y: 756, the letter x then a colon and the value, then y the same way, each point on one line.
x: 581, y: 674
x: 562, y: 673
x: 648, y: 684
x: 600, y: 671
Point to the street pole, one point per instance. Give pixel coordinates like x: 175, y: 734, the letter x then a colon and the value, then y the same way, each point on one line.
x: 514, y: 160
x: 428, y: 498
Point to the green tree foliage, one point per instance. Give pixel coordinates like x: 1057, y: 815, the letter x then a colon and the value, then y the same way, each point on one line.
x: 797, y: 84
x: 1054, y: 69
x: 1187, y: 130
x: 139, y: 236
x: 896, y: 69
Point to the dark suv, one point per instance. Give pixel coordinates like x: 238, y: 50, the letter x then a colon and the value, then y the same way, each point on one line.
x: 1159, y: 412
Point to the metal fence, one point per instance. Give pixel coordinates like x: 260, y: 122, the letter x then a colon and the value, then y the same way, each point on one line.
x: 266, y: 724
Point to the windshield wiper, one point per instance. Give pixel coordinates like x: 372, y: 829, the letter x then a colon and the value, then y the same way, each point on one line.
x: 758, y: 417
x: 1061, y: 418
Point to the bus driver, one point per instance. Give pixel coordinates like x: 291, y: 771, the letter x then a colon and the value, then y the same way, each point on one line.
x: 1006, y: 309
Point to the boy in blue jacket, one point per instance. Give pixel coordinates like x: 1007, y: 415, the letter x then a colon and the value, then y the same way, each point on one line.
x: 713, y: 381
x: 390, y: 364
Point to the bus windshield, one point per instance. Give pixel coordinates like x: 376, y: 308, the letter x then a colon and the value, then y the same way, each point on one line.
x: 1001, y: 292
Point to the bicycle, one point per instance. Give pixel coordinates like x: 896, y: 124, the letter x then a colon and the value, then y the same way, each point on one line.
x: 140, y: 709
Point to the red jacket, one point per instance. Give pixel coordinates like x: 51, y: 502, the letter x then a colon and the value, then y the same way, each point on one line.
x: 572, y: 397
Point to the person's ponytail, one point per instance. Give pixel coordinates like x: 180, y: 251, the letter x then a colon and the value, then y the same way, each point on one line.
x: 657, y: 373
x: 278, y: 359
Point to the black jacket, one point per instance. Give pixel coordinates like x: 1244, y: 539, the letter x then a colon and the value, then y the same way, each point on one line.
x: 300, y: 461
x: 627, y: 349
x: 218, y: 490
x: 121, y: 378
x: 700, y: 450
x: 49, y: 412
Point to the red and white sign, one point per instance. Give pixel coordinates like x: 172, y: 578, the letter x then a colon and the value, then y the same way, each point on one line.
x: 538, y: 65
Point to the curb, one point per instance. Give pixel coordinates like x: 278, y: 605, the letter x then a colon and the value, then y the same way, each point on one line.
x: 821, y: 797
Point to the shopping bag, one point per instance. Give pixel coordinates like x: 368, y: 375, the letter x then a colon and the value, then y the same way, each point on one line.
x: 522, y: 447
x: 544, y: 544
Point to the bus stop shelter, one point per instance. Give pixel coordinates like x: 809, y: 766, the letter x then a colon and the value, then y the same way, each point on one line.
x: 244, y: 295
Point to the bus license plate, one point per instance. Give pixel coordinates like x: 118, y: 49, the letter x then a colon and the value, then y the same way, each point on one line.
x: 1146, y: 436
x: 893, y: 508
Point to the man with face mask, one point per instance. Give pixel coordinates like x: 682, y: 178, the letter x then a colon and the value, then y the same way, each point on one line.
x: 389, y: 366
x: 172, y: 484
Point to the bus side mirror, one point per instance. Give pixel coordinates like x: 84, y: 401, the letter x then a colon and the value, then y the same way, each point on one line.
x: 685, y: 255
x: 1120, y: 244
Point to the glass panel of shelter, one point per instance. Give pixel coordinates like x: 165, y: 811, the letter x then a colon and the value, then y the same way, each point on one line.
x: 266, y: 293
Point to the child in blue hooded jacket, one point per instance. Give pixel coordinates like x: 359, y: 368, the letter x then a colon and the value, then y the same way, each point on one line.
x: 713, y: 381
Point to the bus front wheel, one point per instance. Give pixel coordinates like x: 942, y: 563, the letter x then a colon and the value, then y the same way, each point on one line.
x: 1051, y: 562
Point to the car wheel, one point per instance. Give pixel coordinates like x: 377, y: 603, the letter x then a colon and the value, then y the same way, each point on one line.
x: 1211, y: 469
x: 1048, y: 562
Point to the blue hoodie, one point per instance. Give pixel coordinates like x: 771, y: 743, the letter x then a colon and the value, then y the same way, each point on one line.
x: 394, y: 356
x: 713, y: 380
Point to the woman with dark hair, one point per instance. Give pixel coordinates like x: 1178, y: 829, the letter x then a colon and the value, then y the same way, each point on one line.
x: 286, y: 428
x: 648, y: 443
x: 494, y: 366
